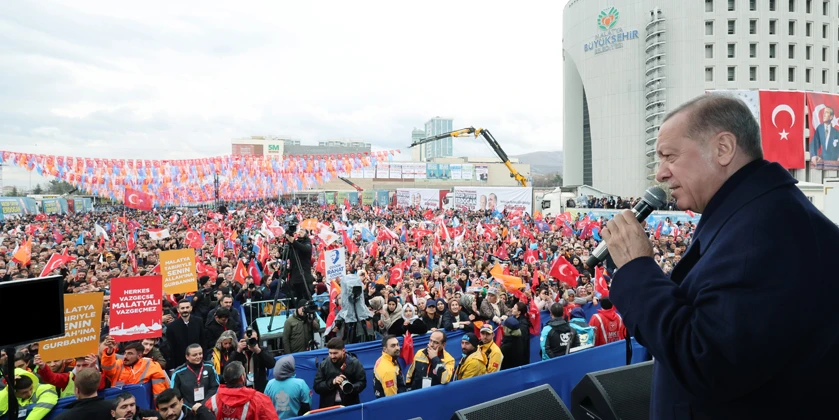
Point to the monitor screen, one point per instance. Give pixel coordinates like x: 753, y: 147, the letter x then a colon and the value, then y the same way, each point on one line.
x: 19, y: 298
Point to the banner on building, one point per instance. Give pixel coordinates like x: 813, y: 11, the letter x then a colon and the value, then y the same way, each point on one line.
x: 782, y: 127
x: 177, y: 267
x: 383, y: 170
x: 438, y: 171
x: 336, y: 264
x: 395, y: 171
x: 823, y: 143
x: 136, y: 310
x: 418, y: 198
x: 482, y: 173
x: 493, y: 199
x: 466, y: 171
x: 82, y: 324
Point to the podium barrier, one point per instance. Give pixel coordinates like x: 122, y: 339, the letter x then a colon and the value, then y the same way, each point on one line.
x: 440, y: 402
x: 142, y: 393
x: 367, y: 353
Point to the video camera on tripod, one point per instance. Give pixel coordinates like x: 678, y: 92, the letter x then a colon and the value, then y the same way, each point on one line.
x: 291, y: 225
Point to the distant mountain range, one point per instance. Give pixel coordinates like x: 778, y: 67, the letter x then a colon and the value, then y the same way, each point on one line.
x: 542, y: 162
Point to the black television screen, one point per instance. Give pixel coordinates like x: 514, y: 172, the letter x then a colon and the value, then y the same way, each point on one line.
x: 18, y: 300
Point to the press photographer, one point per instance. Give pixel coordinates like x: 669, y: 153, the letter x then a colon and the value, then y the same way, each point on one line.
x: 257, y: 361
x: 299, y: 329
x: 300, y: 261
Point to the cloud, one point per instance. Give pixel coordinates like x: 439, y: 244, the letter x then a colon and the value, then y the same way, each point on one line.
x: 180, y: 79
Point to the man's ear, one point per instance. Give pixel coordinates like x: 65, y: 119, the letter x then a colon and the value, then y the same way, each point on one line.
x: 724, y: 147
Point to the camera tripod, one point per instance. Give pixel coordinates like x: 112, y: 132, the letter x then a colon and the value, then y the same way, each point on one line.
x: 285, y: 278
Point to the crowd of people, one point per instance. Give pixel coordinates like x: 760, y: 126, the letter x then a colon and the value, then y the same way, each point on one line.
x: 422, y: 272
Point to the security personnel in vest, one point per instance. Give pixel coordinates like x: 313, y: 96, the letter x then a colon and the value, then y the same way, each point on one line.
x: 432, y: 365
x: 387, y: 375
x: 35, y: 400
x: 492, y: 354
x: 196, y: 380
x: 64, y: 381
x: 133, y: 369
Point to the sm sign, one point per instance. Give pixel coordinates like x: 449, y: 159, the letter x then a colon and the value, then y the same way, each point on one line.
x: 274, y: 149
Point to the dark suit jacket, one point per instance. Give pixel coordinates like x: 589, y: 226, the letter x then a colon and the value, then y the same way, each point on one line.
x: 829, y: 147
x: 725, y: 330
x: 180, y: 336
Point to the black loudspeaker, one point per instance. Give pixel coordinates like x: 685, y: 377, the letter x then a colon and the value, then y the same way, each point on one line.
x: 620, y: 393
x: 540, y: 402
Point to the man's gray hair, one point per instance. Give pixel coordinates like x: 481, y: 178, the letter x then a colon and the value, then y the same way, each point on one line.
x: 711, y: 114
x: 233, y: 373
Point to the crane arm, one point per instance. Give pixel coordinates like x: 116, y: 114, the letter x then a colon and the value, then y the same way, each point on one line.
x: 472, y: 131
x: 352, y: 184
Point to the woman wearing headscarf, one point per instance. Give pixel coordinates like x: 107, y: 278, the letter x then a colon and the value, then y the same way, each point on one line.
x: 409, y: 322
x: 391, y: 313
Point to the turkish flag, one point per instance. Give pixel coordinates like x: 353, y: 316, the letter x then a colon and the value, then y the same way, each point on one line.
x: 139, y: 200
x: 407, y: 351
x: 193, y: 239
x: 531, y: 256
x: 816, y: 103
x: 396, y: 273
x: 218, y: 250
x: 240, y: 273
x: 562, y: 270
x: 55, y: 261
x: 600, y: 285
x: 535, y: 318
x: 782, y: 127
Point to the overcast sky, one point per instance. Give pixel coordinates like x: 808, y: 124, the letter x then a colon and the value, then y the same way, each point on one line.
x: 176, y: 80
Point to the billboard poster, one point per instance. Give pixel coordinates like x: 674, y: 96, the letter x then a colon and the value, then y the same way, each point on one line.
x: 823, y: 143
x: 438, y: 171
x: 51, y: 206
x: 336, y: 264
x: 178, y: 270
x: 457, y: 170
x: 356, y: 173
x: 353, y: 196
x: 419, y: 170
x: 369, y: 172
x: 418, y: 198
x: 367, y: 197
x: 82, y: 323
x: 136, y: 309
x: 466, y: 171
x: 408, y: 171
x: 382, y: 198
x: 340, y: 196
x: 330, y: 197
x: 395, y: 171
x: 383, y: 170
x: 482, y: 173
x: 493, y: 199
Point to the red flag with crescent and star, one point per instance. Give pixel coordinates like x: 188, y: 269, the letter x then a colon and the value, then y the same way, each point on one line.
x: 562, y: 270
x: 138, y: 200
x: 782, y: 127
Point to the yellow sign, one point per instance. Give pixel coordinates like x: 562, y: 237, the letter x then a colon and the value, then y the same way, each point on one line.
x: 178, y: 270
x: 82, y: 323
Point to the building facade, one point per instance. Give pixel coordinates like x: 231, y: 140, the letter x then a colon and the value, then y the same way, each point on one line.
x: 627, y: 63
x: 442, y: 147
x: 282, y: 146
x: 261, y: 145
x: 417, y: 153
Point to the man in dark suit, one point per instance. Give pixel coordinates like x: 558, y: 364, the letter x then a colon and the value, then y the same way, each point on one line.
x: 300, y: 258
x: 722, y: 328
x: 186, y: 330
x: 825, y: 138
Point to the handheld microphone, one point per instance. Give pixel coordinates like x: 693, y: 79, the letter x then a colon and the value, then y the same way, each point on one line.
x: 654, y: 198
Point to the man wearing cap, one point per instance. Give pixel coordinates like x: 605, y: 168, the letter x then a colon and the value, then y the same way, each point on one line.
x: 490, y: 351
x: 492, y: 309
x: 472, y: 363
x: 298, y: 330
